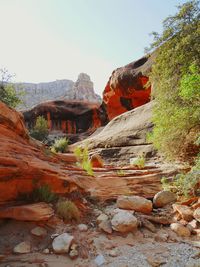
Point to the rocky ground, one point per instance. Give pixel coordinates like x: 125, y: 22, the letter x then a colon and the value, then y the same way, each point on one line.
x: 128, y: 232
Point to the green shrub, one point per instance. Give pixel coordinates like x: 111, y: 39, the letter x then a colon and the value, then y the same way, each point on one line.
x: 41, y: 193
x: 60, y: 145
x: 139, y: 162
x: 8, y: 94
x: 83, y: 160
x: 121, y: 173
x: 40, y: 130
x: 175, y: 78
x: 186, y: 185
x: 67, y: 210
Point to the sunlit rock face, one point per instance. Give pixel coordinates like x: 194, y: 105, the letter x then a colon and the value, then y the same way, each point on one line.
x: 34, y: 94
x: 128, y: 87
x: 83, y: 90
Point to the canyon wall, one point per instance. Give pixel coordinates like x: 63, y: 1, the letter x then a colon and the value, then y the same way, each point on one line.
x: 33, y: 94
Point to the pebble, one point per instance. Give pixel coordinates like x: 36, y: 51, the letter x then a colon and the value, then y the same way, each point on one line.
x: 39, y: 231
x: 99, y: 260
x: 82, y: 227
x: 23, y: 247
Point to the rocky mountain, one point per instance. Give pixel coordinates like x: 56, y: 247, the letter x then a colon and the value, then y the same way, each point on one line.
x: 36, y: 93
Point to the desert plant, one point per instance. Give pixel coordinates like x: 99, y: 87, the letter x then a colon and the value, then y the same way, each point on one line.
x: 185, y: 185
x: 83, y: 159
x: 8, y: 94
x: 41, y: 193
x: 60, y: 145
x: 40, y: 130
x: 175, y: 78
x: 121, y: 172
x: 139, y: 162
x: 67, y: 210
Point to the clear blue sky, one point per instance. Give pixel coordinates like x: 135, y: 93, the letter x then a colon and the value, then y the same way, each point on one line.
x: 45, y: 40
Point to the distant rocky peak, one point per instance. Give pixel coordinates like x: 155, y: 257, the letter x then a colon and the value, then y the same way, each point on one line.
x: 83, y: 77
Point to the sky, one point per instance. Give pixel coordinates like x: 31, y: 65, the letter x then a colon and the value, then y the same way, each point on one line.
x: 47, y: 40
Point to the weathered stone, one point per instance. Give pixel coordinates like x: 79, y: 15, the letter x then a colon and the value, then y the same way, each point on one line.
x: 197, y: 214
x: 185, y: 212
x: 39, y: 231
x: 163, y: 198
x: 126, y: 88
x: 82, y: 227
x: 23, y: 247
x: 46, y: 251
x: 96, y: 161
x: 180, y: 230
x: 194, y: 224
x: 106, y: 226
x: 161, y: 236
x: 30, y: 212
x: 73, y: 254
x: 62, y: 243
x: 150, y: 226
x: 24, y: 160
x: 113, y: 253
x: 102, y: 217
x: 135, y: 203
x: 124, y: 221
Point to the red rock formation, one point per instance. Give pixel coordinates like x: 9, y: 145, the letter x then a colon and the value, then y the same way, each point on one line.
x: 23, y: 162
x: 70, y: 117
x: 128, y: 87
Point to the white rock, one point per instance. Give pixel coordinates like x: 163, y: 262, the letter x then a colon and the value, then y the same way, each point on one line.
x: 23, y: 247
x: 83, y: 227
x: 106, y: 226
x: 124, y: 221
x: 180, y: 230
x: 102, y: 217
x: 99, y: 260
x: 39, y: 231
x: 46, y: 251
x: 62, y: 243
x: 73, y: 254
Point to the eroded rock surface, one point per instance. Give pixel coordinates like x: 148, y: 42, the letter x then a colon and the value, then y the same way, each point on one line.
x: 128, y: 87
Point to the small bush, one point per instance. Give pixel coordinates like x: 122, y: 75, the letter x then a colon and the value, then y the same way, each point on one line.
x: 67, y: 210
x: 121, y: 173
x: 186, y: 185
x: 42, y: 193
x: 40, y: 130
x: 84, y: 162
x: 60, y: 145
x: 139, y: 162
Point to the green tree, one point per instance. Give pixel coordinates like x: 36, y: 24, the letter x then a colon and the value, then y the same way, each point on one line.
x: 8, y: 94
x: 40, y: 130
x: 175, y: 78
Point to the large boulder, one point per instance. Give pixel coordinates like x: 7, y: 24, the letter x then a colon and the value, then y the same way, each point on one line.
x: 124, y: 221
x: 163, y: 198
x: 135, y: 203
